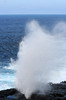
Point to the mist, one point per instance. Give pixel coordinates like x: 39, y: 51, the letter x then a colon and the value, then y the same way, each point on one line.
x: 41, y: 58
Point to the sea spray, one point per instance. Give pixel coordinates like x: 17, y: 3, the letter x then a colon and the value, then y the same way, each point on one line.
x: 41, y: 57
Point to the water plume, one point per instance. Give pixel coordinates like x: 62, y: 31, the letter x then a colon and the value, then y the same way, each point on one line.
x: 41, y: 59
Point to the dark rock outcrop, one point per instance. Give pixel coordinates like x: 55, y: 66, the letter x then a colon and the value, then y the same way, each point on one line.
x: 58, y: 92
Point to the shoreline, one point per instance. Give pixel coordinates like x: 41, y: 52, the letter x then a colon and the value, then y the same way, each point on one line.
x: 58, y: 92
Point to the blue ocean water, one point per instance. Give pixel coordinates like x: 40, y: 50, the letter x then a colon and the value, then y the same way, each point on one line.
x: 12, y: 30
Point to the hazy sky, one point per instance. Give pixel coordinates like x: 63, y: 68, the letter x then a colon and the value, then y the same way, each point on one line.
x: 32, y: 6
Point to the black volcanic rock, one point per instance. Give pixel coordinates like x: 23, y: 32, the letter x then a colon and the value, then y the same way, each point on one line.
x: 58, y: 92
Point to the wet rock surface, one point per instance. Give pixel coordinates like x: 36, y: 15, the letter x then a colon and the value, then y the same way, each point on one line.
x: 58, y: 92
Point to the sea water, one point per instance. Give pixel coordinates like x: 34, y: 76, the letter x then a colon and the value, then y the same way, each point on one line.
x: 12, y: 31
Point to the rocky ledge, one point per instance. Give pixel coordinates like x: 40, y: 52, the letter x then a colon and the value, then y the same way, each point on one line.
x: 58, y: 92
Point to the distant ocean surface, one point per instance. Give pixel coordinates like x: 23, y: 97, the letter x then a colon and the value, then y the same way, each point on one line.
x: 12, y: 30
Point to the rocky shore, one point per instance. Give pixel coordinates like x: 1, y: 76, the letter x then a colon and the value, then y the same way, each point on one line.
x: 58, y: 92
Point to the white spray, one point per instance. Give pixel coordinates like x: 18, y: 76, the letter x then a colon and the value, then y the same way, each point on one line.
x: 41, y: 58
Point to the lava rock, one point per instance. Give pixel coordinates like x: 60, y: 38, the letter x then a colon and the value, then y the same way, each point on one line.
x: 58, y: 92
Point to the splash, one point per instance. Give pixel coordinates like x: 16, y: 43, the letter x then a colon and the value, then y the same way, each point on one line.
x: 41, y: 59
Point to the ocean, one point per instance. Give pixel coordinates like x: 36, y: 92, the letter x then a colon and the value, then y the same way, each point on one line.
x: 12, y: 31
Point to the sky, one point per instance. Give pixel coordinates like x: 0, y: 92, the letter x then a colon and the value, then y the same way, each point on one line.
x: 32, y: 6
